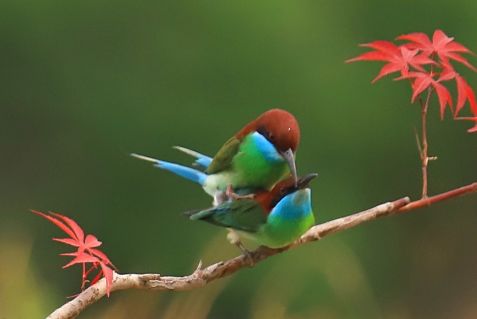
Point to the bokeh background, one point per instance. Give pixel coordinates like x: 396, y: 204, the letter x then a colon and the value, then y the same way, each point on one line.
x: 84, y: 83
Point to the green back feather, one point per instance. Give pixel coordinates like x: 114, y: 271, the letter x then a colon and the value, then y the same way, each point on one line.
x: 243, y: 214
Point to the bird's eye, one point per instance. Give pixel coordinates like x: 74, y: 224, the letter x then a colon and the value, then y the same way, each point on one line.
x: 270, y: 136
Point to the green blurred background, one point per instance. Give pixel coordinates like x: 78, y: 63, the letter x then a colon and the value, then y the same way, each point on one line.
x: 85, y: 83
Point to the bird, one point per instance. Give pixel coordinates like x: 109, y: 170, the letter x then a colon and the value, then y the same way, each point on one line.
x: 274, y: 218
x: 255, y: 158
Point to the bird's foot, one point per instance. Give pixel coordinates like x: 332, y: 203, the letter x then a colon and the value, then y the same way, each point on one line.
x: 247, y: 253
x: 229, y: 192
x: 234, y: 239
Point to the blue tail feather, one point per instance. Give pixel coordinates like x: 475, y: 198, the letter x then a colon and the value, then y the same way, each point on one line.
x: 183, y: 171
x: 201, y: 159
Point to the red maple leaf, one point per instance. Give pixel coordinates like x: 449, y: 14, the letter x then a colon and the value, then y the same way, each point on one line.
x: 464, y: 93
x: 427, y: 64
x: 423, y: 80
x: 445, y: 47
x: 399, y: 58
x: 86, y: 252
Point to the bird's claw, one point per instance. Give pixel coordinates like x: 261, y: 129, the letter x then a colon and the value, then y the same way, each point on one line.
x: 234, y: 239
x: 247, y: 253
x: 229, y: 192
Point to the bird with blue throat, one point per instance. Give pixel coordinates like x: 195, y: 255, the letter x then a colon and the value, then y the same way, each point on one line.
x: 255, y: 158
x: 274, y: 218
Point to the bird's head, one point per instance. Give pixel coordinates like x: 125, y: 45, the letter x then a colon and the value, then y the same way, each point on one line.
x: 281, y: 129
x: 285, y: 188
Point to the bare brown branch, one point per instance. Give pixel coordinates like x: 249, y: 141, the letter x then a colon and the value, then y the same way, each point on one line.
x: 423, y: 145
x: 201, y: 276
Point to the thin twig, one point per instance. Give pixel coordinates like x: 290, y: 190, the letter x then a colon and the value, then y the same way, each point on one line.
x: 424, y: 202
x: 418, y: 142
x: 423, y: 149
x: 201, y: 276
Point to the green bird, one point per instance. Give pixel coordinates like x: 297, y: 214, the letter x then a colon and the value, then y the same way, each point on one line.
x: 273, y: 218
x: 255, y: 158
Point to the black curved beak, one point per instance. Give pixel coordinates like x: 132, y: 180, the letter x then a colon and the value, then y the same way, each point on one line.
x: 305, y: 180
x: 290, y: 159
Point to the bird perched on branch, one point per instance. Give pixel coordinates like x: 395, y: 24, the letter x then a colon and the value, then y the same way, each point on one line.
x: 255, y: 158
x: 272, y: 218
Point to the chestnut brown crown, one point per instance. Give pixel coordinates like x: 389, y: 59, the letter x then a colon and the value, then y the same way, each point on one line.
x: 268, y: 199
x: 277, y: 126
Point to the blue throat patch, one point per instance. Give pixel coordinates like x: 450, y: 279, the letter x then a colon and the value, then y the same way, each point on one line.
x: 266, y: 148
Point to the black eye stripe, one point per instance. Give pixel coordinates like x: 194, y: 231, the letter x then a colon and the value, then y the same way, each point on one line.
x: 262, y: 131
x: 283, y: 192
x: 269, y: 136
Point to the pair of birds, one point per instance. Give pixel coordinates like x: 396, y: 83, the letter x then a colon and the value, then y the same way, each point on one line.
x: 253, y: 180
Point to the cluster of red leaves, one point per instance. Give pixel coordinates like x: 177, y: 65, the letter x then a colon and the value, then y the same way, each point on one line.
x: 86, y: 254
x: 428, y: 65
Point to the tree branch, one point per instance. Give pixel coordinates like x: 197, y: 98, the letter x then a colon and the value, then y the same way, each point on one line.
x: 201, y: 276
x: 423, y: 145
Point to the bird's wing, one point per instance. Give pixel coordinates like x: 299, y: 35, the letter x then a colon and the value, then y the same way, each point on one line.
x: 244, y: 214
x: 224, y: 156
